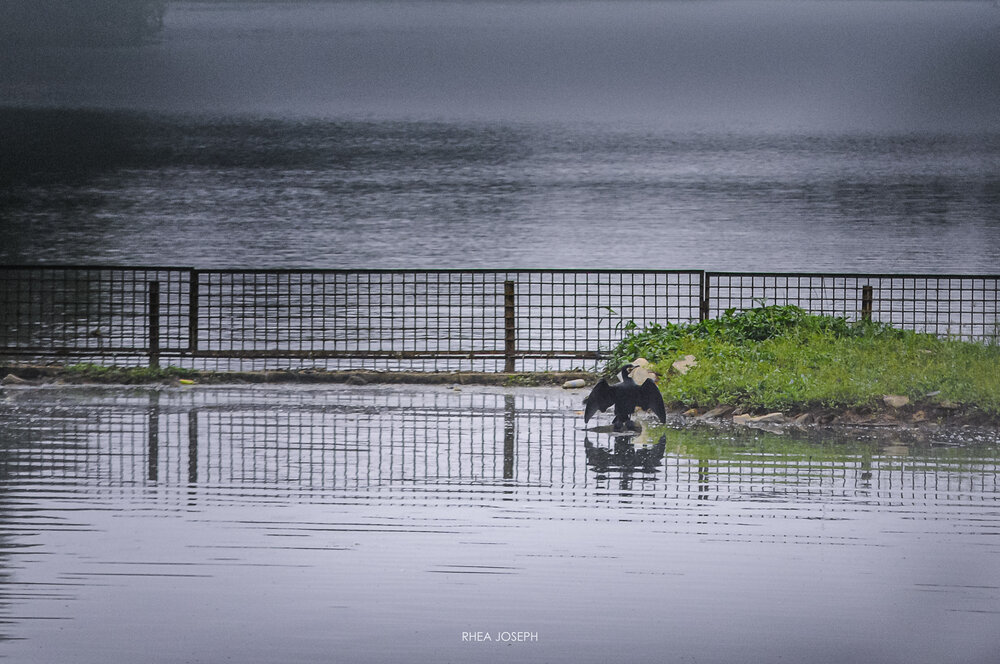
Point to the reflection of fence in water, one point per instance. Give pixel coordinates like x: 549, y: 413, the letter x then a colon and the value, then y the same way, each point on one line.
x: 881, y: 477
x: 308, y: 439
x: 366, y: 440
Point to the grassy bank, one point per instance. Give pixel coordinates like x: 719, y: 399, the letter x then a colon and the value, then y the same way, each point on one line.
x: 779, y: 358
x: 112, y: 375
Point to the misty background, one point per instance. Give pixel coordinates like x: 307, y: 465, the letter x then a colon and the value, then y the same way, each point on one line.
x: 855, y: 134
x: 820, y: 64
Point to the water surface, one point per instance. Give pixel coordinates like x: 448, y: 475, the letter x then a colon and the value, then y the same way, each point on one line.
x: 373, y: 524
x: 125, y: 188
x: 834, y: 136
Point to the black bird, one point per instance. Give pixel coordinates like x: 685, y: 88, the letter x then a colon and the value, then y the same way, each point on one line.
x: 625, y: 396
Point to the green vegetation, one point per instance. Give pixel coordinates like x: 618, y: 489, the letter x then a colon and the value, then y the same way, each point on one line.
x: 126, y: 375
x: 781, y: 358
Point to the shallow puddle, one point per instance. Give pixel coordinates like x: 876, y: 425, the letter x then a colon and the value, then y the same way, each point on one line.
x: 414, y: 524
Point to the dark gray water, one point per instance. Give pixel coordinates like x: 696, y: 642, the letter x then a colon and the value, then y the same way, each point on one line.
x: 120, y: 188
x: 835, y: 136
x: 381, y: 524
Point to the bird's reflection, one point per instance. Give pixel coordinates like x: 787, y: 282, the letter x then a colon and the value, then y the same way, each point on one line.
x: 625, y: 458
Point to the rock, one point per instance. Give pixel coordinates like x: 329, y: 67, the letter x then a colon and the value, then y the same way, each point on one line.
x: 691, y: 412
x: 949, y: 405
x: 685, y: 364
x: 770, y: 418
x: 640, y: 375
x: 573, y: 384
x: 803, y: 419
x: 895, y: 400
x: 718, y: 412
x: 920, y: 416
x: 11, y: 379
x: 826, y: 417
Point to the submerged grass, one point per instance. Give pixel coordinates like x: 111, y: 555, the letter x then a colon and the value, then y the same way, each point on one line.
x: 781, y: 358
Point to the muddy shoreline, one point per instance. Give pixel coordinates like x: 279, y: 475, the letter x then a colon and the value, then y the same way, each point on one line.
x: 918, y: 420
x: 919, y: 424
x: 44, y: 374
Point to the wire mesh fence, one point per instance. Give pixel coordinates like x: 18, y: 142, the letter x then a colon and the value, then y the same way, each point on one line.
x: 955, y: 306
x: 420, y: 320
x: 427, y: 320
x: 93, y: 310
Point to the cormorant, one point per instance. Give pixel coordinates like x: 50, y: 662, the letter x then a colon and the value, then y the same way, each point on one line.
x: 625, y: 396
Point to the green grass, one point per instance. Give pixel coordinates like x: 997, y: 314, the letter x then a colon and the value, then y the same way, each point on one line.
x: 780, y: 358
x: 126, y: 375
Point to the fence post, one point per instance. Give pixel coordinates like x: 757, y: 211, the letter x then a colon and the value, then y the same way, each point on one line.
x: 509, y: 327
x: 866, y: 303
x: 703, y: 298
x: 193, y: 313
x: 154, y: 324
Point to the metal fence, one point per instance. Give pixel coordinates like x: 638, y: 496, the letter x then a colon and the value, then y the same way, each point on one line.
x: 427, y: 320
x: 956, y: 306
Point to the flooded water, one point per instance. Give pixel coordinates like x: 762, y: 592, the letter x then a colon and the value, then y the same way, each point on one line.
x: 136, y: 189
x: 378, y: 524
x: 834, y: 136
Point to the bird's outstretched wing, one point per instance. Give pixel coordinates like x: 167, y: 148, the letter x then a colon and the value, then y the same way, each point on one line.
x: 651, y: 399
x: 601, y: 397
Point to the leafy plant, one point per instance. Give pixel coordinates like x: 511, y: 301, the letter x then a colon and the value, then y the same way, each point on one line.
x: 780, y: 357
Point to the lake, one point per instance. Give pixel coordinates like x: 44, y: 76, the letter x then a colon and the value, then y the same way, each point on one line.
x: 398, y: 524
x: 475, y: 524
x: 125, y: 188
x: 834, y: 136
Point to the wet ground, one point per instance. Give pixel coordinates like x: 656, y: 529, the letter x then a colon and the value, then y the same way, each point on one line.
x: 476, y: 524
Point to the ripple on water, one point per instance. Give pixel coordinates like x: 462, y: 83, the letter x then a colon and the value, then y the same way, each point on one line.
x: 362, y: 519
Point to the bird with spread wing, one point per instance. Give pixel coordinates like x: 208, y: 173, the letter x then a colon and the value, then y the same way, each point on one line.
x: 625, y: 396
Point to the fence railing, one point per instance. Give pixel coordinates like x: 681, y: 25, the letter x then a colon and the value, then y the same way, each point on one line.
x: 420, y: 320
